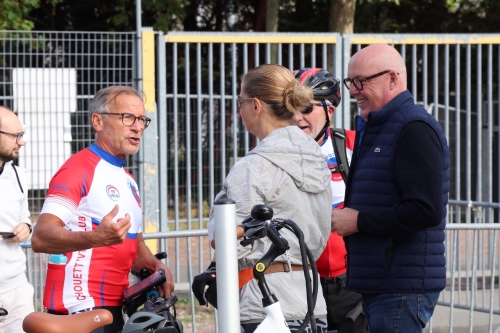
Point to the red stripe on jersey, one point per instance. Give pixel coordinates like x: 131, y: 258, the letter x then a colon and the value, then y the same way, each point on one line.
x: 72, y: 181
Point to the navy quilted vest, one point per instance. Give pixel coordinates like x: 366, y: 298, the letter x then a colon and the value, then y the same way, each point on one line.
x: 417, y: 262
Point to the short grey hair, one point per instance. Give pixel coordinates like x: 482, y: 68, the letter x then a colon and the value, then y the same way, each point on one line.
x: 100, y: 102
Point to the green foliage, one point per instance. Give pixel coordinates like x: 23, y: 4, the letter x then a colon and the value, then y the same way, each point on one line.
x: 13, y: 14
x: 88, y: 15
x: 372, y: 16
x: 428, y: 16
x: 164, y: 12
x: 452, y: 5
x: 156, y: 13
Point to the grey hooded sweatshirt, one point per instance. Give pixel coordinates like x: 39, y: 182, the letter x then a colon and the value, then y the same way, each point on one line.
x: 288, y: 172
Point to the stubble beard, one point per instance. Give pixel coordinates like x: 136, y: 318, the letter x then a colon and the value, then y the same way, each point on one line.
x: 7, y: 157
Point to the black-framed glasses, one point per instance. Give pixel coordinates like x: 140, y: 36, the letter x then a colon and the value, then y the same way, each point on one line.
x: 128, y: 119
x: 18, y: 136
x: 358, y: 83
x: 311, y: 106
x: 239, y: 101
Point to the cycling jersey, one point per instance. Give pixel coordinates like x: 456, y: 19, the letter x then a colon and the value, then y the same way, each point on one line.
x: 81, y: 193
x: 331, y: 263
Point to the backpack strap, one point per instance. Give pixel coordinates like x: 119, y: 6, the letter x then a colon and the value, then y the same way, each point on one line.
x: 17, y: 176
x: 339, y: 147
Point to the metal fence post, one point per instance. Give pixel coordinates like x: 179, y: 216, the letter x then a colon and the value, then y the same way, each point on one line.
x: 228, y: 302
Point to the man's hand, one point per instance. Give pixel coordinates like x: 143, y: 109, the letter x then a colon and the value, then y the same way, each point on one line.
x: 145, y: 259
x: 165, y: 289
x: 50, y: 236
x: 22, y: 233
x: 207, y: 278
x: 345, y: 221
x: 111, y: 233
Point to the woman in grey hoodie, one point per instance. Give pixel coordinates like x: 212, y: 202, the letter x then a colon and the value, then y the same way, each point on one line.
x: 287, y: 172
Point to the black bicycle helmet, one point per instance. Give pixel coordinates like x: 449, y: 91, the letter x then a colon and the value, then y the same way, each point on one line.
x: 323, y: 84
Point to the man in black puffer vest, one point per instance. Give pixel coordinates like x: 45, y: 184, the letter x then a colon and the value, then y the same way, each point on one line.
x: 396, y: 196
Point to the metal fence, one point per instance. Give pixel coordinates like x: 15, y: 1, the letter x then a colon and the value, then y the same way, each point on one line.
x: 191, y: 82
x: 48, y: 79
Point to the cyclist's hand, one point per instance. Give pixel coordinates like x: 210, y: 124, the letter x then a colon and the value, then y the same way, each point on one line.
x: 165, y: 290
x: 207, y: 278
x: 111, y: 233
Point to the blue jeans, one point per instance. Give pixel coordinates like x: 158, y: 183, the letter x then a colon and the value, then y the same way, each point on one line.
x: 399, y: 313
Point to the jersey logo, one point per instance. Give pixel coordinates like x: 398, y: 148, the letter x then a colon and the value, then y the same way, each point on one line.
x: 135, y: 194
x: 334, y: 168
x: 332, y: 165
x: 112, y: 192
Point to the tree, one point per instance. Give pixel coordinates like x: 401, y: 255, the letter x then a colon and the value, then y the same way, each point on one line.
x: 430, y: 16
x: 97, y: 15
x: 13, y: 14
x: 342, y: 16
x: 272, y: 11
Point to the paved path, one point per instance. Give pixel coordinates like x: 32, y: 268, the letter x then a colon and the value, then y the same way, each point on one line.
x: 461, y: 319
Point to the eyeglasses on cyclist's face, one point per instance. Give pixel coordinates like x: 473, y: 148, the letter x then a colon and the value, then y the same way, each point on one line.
x: 311, y: 106
x: 358, y: 82
x: 128, y: 119
x: 17, y: 136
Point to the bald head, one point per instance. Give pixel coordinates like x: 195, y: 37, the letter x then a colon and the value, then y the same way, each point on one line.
x: 380, y: 57
x: 382, y: 72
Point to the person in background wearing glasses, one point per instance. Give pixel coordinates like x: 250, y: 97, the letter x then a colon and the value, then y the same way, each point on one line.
x: 396, y: 196
x: 286, y: 171
x: 92, y: 215
x: 344, y: 307
x: 16, y: 294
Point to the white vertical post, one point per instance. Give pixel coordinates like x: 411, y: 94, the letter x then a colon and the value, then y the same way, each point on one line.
x: 228, y: 295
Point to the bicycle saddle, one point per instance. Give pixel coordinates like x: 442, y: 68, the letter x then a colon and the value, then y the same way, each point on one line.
x: 84, y: 322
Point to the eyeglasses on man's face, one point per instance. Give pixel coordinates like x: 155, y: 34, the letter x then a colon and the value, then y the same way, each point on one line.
x: 358, y: 83
x: 18, y: 136
x: 311, y: 106
x: 128, y: 119
x: 240, y: 101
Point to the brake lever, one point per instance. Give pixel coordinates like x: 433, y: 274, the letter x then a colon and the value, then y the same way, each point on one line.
x: 249, y: 233
x: 252, y: 224
x: 252, y: 234
x: 246, y: 242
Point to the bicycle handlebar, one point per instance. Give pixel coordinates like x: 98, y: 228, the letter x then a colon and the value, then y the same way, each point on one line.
x: 260, y: 224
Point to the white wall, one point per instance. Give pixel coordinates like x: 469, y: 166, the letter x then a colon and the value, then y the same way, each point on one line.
x: 43, y: 100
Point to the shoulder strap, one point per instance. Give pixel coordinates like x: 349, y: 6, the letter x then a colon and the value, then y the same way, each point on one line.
x: 339, y: 147
x: 17, y: 176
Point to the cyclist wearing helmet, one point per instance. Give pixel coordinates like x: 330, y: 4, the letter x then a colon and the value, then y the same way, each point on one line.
x: 343, y: 306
